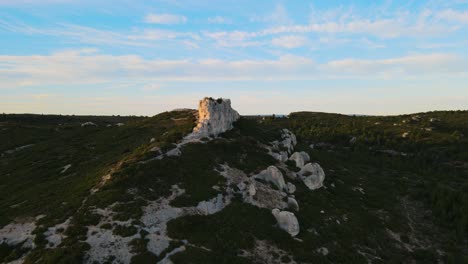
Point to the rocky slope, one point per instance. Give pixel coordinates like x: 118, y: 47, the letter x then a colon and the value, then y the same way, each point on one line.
x: 230, y: 190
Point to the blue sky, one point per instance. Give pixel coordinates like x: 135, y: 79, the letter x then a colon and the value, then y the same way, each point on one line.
x: 144, y: 57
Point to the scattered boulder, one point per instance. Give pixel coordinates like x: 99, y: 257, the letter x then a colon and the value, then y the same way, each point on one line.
x: 88, y: 124
x: 323, y: 251
x: 272, y: 175
x: 301, y: 158
x: 312, y: 175
x: 292, y: 203
x: 282, y: 156
x: 286, y: 221
x: 298, y: 158
x: 214, y: 117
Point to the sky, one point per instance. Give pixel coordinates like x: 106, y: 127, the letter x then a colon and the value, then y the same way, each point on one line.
x: 136, y: 57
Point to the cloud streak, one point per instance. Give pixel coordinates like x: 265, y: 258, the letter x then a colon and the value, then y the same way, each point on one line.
x: 89, y: 67
x: 166, y: 19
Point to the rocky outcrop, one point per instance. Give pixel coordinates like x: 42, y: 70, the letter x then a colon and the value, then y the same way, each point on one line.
x: 281, y: 149
x: 286, y: 221
x: 214, y: 117
x: 312, y: 175
x: 272, y: 175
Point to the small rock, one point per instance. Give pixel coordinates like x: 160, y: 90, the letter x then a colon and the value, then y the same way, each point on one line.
x: 323, y: 251
x: 291, y: 187
x: 252, y: 191
x: 241, y: 186
x: 87, y: 124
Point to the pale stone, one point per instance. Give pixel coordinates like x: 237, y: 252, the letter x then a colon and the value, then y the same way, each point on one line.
x: 272, y: 175
x: 301, y: 158
x: 214, y: 117
x: 323, y: 251
x: 85, y: 124
x: 298, y: 159
x: 291, y: 187
x: 305, y: 156
x: 286, y: 221
x: 251, y: 190
x: 312, y: 175
x: 292, y: 203
x: 211, y: 206
x: 267, y: 197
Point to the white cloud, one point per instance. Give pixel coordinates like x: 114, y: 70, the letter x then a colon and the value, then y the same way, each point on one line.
x: 76, y: 67
x: 289, y: 41
x: 165, y: 19
x: 219, y: 20
x: 452, y: 15
x: 278, y: 16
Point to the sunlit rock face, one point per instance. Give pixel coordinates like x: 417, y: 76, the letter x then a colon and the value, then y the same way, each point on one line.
x: 214, y: 117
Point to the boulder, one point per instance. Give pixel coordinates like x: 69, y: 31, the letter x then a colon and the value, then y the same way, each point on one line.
x: 286, y: 221
x: 292, y: 203
x: 305, y: 156
x: 282, y: 156
x: 301, y: 158
x: 312, y: 175
x: 298, y: 158
x: 272, y: 175
x: 214, y: 117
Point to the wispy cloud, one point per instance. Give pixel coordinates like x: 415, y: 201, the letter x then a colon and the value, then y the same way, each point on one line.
x: 165, y: 19
x: 289, y: 41
x: 88, y: 67
x: 452, y: 15
x: 219, y: 20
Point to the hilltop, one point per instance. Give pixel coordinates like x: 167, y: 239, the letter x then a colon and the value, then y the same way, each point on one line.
x: 211, y: 186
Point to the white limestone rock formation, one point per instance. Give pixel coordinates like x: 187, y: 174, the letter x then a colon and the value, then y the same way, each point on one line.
x: 214, y: 117
x: 272, y: 175
x: 287, y: 221
x: 312, y: 175
x: 305, y: 156
x: 212, y: 206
